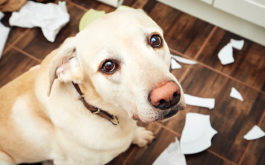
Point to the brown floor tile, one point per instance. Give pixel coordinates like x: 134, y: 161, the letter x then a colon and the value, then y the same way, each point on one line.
x: 256, y: 150
x: 13, y: 64
x: 230, y: 117
x: 15, y: 33
x: 249, y: 65
x: 183, y: 32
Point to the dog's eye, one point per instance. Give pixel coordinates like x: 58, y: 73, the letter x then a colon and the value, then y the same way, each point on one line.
x: 155, y: 41
x: 109, y: 66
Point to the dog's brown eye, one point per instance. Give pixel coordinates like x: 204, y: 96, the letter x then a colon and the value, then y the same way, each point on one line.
x: 155, y: 41
x: 109, y: 66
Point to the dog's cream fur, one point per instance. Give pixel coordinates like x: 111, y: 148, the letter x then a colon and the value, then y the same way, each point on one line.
x: 41, y: 117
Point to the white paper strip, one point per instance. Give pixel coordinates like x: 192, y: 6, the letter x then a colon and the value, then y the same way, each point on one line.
x: 171, y: 155
x: 174, y: 64
x: 237, y: 44
x: 183, y: 60
x: 197, y: 133
x: 49, y: 17
x: 4, y: 31
x: 235, y: 94
x: 199, y: 101
x: 254, y: 133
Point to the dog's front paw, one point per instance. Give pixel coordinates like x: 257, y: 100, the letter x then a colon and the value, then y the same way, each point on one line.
x: 142, y: 137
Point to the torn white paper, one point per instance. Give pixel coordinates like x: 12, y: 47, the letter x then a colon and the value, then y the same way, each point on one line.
x: 4, y: 31
x: 237, y: 44
x: 49, y: 17
x: 225, y: 55
x: 197, y: 133
x: 171, y: 155
x: 235, y: 94
x: 174, y: 64
x: 254, y: 133
x: 199, y: 101
x: 183, y: 60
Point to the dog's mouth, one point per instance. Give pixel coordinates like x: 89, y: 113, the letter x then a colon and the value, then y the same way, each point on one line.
x: 165, y: 116
x: 173, y: 111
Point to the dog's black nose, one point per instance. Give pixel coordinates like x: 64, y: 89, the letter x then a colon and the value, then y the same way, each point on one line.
x: 165, y: 95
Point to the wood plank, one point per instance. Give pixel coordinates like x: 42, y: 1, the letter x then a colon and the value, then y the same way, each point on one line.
x: 13, y: 64
x: 183, y: 32
x: 249, y: 65
x: 230, y: 117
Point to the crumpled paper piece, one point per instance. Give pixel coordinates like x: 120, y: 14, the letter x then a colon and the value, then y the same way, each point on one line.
x: 235, y: 94
x: 49, y: 17
x: 199, y: 101
x: 171, y: 155
x: 254, y: 133
x: 197, y: 133
x: 225, y: 55
x: 4, y: 31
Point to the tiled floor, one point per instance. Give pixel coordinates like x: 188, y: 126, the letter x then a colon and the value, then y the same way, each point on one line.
x: 192, y: 38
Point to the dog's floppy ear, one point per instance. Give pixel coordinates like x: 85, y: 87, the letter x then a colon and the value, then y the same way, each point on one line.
x: 65, y: 65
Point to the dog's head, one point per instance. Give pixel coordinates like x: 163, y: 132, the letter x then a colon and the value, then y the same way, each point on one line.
x: 125, y: 59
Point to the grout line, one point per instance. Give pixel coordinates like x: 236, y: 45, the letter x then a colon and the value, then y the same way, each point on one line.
x: 221, y: 157
x: 217, y: 71
x: 205, y: 43
x: 262, y: 117
x: 26, y: 54
x: 129, y: 156
x: 76, y: 5
x: 168, y: 129
x: 9, y: 45
x: 21, y: 36
x: 244, y: 154
x: 184, y: 74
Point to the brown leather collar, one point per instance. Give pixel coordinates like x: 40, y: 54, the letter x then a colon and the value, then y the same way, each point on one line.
x: 112, y: 118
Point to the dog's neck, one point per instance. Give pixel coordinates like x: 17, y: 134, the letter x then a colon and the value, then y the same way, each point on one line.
x: 104, y: 114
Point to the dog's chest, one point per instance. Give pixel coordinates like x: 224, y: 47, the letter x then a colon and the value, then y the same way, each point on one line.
x: 96, y: 145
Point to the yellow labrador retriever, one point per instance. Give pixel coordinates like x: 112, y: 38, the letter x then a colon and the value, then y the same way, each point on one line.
x: 78, y: 107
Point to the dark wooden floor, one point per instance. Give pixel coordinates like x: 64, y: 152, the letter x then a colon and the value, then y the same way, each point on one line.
x: 192, y: 38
